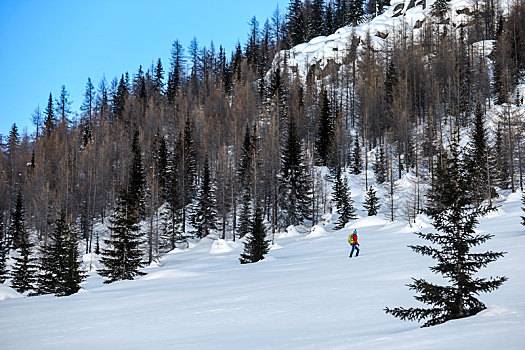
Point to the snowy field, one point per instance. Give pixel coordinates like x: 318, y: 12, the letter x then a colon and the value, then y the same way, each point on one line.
x: 307, y: 294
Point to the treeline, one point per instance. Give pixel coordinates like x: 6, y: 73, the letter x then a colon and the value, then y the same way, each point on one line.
x: 221, y: 144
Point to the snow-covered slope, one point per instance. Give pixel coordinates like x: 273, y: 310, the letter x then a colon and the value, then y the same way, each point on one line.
x: 306, y: 294
x: 412, y: 13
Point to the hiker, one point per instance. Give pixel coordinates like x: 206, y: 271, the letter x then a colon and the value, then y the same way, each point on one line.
x: 352, y: 239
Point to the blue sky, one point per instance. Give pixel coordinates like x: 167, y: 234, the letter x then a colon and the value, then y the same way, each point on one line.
x: 47, y: 44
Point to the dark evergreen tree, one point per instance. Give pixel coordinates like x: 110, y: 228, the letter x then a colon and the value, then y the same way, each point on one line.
x: 245, y: 178
x: 502, y: 160
x: 87, y: 109
x: 294, y: 185
x: 17, y: 224
x: 357, y: 163
x: 329, y: 24
x: 376, y: 7
x: 439, y: 8
x: 316, y: 23
x: 355, y: 12
x: 325, y: 132
x: 123, y: 257
x: 137, y: 180
x: 63, y: 106
x: 477, y: 165
x: 371, y: 203
x: 205, y: 214
x: 342, y: 199
x: 158, y: 77
x: 119, y: 98
x: 24, y: 270
x: 49, y: 117
x: 256, y: 245
x: 380, y: 166
x: 185, y: 168
x: 455, y: 216
x: 60, y: 266
x: 296, y: 26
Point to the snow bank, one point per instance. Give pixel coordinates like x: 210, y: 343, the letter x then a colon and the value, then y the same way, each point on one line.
x: 7, y: 292
x: 220, y: 246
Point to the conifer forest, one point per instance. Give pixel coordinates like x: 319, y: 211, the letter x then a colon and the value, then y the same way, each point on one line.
x: 245, y: 145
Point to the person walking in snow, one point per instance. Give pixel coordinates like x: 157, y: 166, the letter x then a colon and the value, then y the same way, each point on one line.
x: 352, y: 239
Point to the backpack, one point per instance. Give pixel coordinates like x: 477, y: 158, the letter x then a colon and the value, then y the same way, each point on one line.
x: 351, y: 238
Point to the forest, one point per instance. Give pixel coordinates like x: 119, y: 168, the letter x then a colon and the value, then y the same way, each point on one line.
x: 242, y: 144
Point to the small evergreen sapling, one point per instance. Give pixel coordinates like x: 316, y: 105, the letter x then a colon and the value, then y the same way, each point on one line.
x: 371, y: 203
x: 344, y: 203
x: 256, y: 246
x: 24, y: 269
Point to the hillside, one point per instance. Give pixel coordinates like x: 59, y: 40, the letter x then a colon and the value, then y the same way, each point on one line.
x: 159, y: 181
x: 306, y: 294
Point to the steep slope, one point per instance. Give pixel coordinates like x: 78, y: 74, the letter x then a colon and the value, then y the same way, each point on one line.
x: 412, y: 14
x: 306, y: 294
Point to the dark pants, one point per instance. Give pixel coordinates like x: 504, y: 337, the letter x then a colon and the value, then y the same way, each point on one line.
x: 354, y: 247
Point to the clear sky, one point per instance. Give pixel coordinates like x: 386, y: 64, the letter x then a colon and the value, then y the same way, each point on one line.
x: 45, y: 44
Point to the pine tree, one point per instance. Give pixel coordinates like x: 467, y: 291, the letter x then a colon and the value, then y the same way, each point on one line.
x: 357, y: 163
x: 343, y: 201
x: 502, y: 160
x: 63, y: 106
x: 205, y: 215
x: 296, y: 26
x: 123, y: 256
x: 60, y: 271
x: 24, y: 270
x: 355, y: 12
x: 455, y: 216
x: 439, y: 8
x: 294, y: 185
x: 477, y: 165
x: 380, y: 166
x: 326, y: 129
x: 371, y: 203
x: 50, y: 120
x: 245, y: 179
x: 256, y: 246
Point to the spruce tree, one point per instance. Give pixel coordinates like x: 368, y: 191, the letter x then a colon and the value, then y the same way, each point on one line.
x: 123, y: 257
x: 357, y: 163
x: 439, y: 8
x: 24, y: 270
x: 294, y: 185
x: 245, y: 179
x: 50, y: 120
x: 295, y: 26
x: 455, y: 217
x: 343, y: 201
x: 380, y: 166
x: 325, y: 132
x: 60, y: 267
x: 371, y: 203
x: 256, y: 246
x: 355, y: 12
x: 477, y: 165
x: 205, y: 214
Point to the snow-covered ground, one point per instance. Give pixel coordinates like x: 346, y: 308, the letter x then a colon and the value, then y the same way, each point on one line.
x: 307, y: 294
